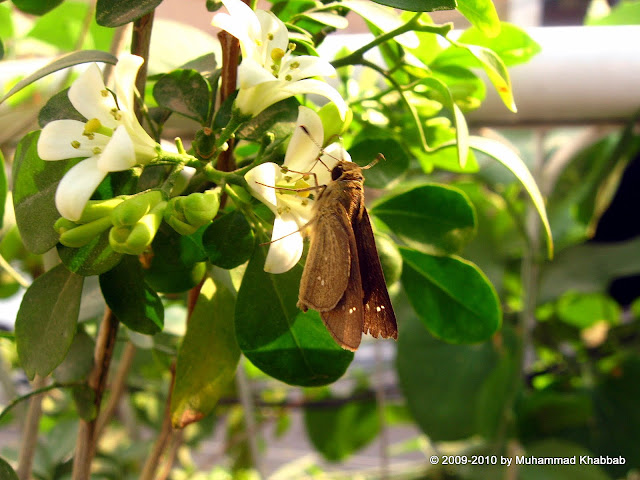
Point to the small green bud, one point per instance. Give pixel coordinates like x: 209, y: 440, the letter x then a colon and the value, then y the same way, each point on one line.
x: 200, y: 208
x: 134, y: 208
x: 134, y: 239
x: 96, y: 209
x: 333, y: 125
x: 83, y: 234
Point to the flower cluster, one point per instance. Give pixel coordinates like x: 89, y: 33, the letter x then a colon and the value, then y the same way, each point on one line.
x: 269, y: 71
x: 111, y: 140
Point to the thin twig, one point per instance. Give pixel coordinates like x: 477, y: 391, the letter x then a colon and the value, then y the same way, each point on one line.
x: 117, y: 387
x: 176, y: 442
x: 13, y: 273
x: 87, y: 438
x: 228, y: 81
x: 150, y: 466
x: 246, y: 399
x: 30, y: 432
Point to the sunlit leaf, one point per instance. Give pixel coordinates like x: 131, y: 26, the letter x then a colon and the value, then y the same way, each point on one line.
x: 208, y: 356
x: 453, y: 298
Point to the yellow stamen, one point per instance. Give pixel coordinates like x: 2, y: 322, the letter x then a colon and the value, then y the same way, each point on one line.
x: 75, y: 144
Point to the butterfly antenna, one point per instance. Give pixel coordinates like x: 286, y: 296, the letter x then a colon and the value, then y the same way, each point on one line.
x: 374, y: 161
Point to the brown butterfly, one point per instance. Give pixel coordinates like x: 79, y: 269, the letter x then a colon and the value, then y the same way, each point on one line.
x: 342, y: 277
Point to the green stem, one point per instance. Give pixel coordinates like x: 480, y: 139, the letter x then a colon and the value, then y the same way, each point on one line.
x: 410, y: 107
x: 5, y: 411
x: 13, y: 273
x: 412, y: 25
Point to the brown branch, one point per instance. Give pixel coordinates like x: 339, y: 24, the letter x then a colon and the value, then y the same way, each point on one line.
x: 87, y: 438
x: 228, y: 81
x: 30, y: 432
x: 166, y: 431
x: 140, y: 43
x: 176, y: 441
x: 117, y: 387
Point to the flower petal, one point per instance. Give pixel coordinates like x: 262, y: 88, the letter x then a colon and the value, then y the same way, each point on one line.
x: 119, y: 153
x: 304, y: 146
x: 56, y: 138
x: 287, y: 246
x: 90, y: 97
x: 274, y: 35
x: 319, y: 88
x: 251, y: 73
x: 242, y: 23
x: 308, y: 66
x: 77, y: 186
x: 261, y: 180
x: 125, y: 75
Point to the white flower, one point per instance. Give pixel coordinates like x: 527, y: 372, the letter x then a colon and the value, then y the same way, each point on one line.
x: 269, y: 72
x: 294, y: 209
x: 112, y: 139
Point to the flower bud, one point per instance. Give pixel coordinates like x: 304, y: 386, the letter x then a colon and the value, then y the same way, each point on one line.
x: 96, y: 209
x: 134, y: 239
x: 79, y: 235
x: 129, y: 212
x: 187, y: 214
x: 332, y: 122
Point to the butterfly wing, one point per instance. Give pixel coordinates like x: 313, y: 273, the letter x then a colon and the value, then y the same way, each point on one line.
x: 379, y: 318
x: 326, y: 271
x: 345, y: 321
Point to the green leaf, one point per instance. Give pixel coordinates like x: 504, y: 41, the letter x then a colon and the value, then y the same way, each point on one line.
x: 36, y: 7
x: 4, y: 186
x: 587, y: 185
x: 451, y: 296
x: 34, y: 187
x: 462, y: 132
x: 583, y: 310
x: 185, y: 92
x: 65, y: 61
x: 94, y: 258
x: 46, y: 321
x: 6, y: 472
x: 47, y: 29
x: 429, y: 215
x: 229, y: 240
x: 617, y: 418
x: 79, y: 359
x: 492, y: 64
x: 467, y: 89
x: 513, y: 44
x: 59, y: 107
x: 449, y: 376
x: 279, y: 339
x: 513, y: 162
x: 420, y: 5
x: 368, y: 144
x: 208, y: 356
x: 339, y: 431
x: 278, y: 119
x: 133, y: 302
x: 177, y: 263
x: 113, y: 13
x: 482, y: 15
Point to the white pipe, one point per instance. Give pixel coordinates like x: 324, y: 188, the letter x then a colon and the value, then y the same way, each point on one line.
x: 583, y: 75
